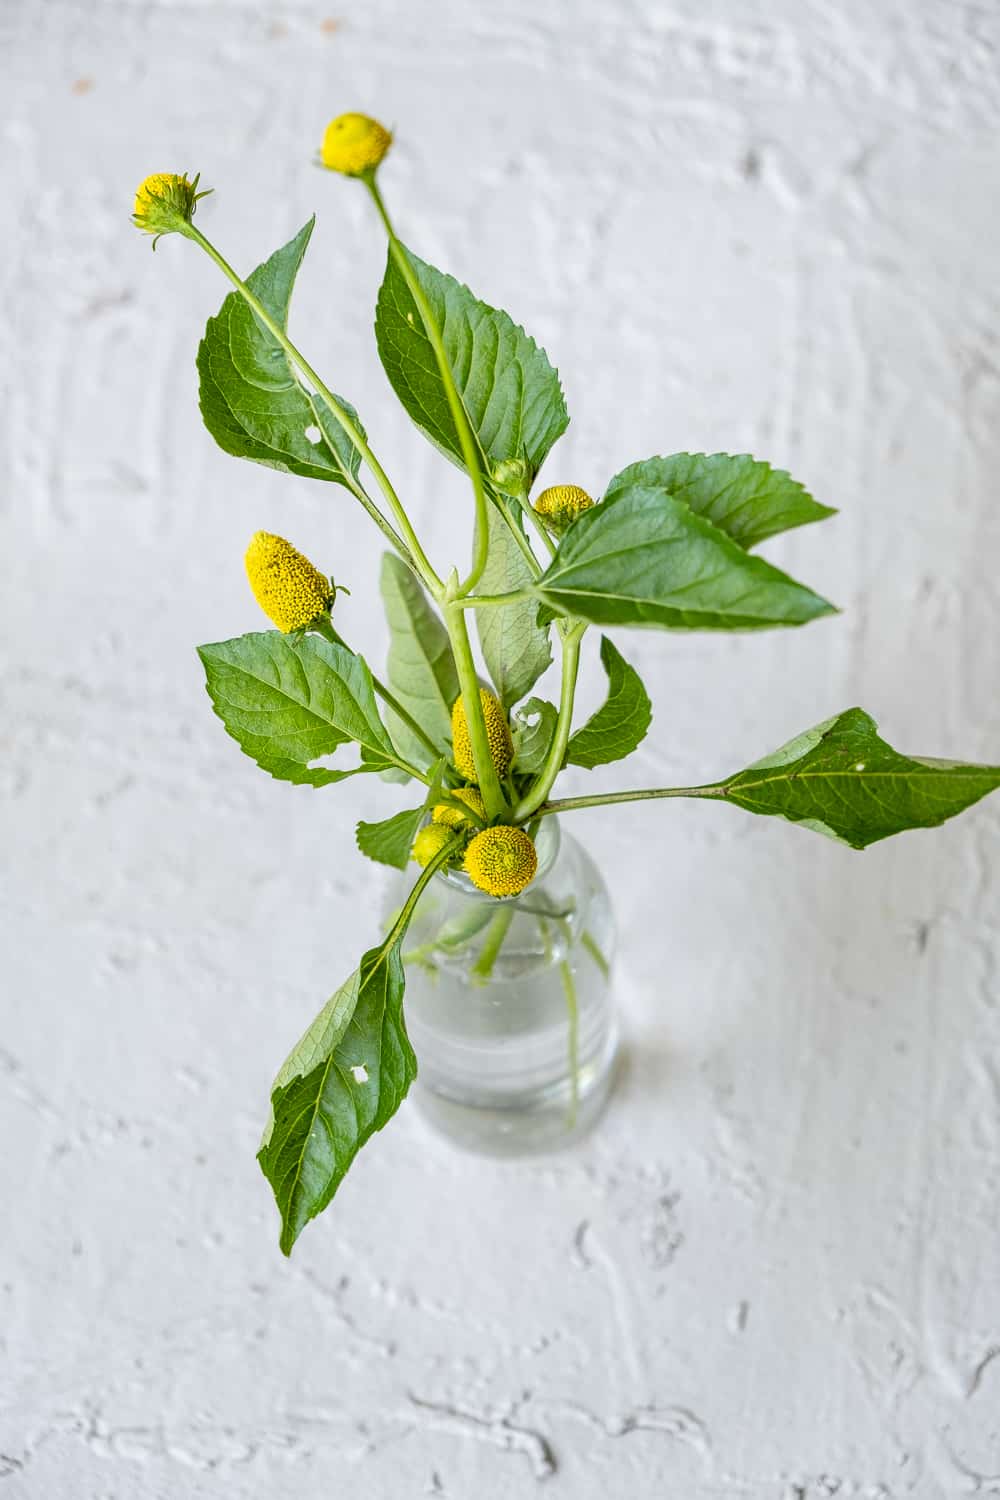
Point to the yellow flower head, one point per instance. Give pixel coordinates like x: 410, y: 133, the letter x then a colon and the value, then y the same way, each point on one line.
x: 354, y: 144
x: 450, y: 817
x: 497, y: 735
x: 501, y: 861
x: 290, y: 591
x: 560, y: 504
x: 429, y: 842
x: 165, y: 203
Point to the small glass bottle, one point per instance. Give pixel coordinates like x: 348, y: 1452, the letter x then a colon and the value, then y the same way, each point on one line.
x: 508, y: 1003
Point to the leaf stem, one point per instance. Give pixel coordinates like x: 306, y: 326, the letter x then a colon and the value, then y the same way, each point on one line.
x: 471, y: 452
x: 610, y: 799
x: 494, y: 601
x: 542, y: 784
x: 493, y: 942
x: 342, y: 417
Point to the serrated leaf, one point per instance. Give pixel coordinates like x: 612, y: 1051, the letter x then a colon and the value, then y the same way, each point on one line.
x: 533, y: 727
x: 287, y: 702
x: 251, y: 400
x: 515, y: 647
x: 421, y: 667
x: 510, y: 391
x: 843, y: 780
x: 390, y: 842
x: 742, y: 496
x: 344, y: 1080
x: 644, y: 558
x: 620, y: 724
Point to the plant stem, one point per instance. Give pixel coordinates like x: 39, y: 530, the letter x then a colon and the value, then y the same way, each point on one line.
x: 573, y: 1020
x: 342, y: 417
x: 468, y: 442
x: 557, y: 750
x: 486, y: 774
x: 497, y: 931
x: 590, y: 943
x: 609, y: 799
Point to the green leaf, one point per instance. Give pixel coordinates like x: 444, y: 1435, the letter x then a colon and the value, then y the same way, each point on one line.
x: 620, y: 724
x: 252, y: 401
x: 510, y: 391
x: 516, y: 649
x: 645, y: 558
x: 390, y: 841
x: 421, y: 668
x: 841, y: 779
x: 345, y: 1079
x: 286, y: 703
x: 742, y: 496
x: 533, y: 728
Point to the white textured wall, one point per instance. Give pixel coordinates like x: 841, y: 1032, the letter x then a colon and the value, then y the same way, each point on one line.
x: 774, y: 1273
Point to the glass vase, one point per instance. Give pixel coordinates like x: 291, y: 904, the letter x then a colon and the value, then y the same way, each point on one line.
x: 509, y: 1004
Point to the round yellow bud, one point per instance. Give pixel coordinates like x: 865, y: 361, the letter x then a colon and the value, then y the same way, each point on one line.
x: 429, y: 842
x: 165, y: 203
x: 497, y: 735
x: 501, y: 861
x: 290, y: 591
x: 451, y: 817
x: 560, y: 504
x: 354, y: 144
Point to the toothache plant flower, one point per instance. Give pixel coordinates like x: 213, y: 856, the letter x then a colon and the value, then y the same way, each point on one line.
x: 671, y: 544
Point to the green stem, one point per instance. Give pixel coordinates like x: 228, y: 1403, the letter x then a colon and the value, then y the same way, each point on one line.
x: 486, y: 774
x: 402, y: 921
x: 519, y: 537
x: 341, y: 416
x: 528, y: 510
x: 557, y: 750
x: 592, y: 947
x: 468, y: 442
x: 493, y: 942
x: 573, y: 1020
x: 610, y: 799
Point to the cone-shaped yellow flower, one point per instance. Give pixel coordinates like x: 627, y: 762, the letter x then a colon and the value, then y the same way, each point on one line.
x: 354, y: 144
x: 429, y: 842
x: 290, y: 591
x: 501, y: 861
x: 165, y: 203
x: 451, y: 817
x: 560, y: 504
x: 497, y: 735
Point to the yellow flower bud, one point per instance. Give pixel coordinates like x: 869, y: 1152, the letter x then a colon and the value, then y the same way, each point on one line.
x: 165, y: 203
x: 354, y: 144
x: 450, y: 817
x: 497, y: 735
x: 290, y: 591
x: 501, y: 861
x: 429, y: 842
x: 560, y: 504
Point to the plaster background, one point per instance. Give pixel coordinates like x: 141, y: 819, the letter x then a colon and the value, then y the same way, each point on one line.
x: 773, y: 1273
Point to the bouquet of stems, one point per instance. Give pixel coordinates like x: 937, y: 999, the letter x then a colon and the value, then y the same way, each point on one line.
x: 670, y: 546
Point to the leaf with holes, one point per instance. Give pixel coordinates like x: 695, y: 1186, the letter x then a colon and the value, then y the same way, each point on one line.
x: 286, y: 702
x: 252, y: 401
x: 645, y: 558
x: 421, y: 668
x: 843, y: 780
x: 742, y: 496
x: 390, y: 842
x: 510, y: 391
x: 533, y: 727
x: 343, y: 1080
x: 362, y: 1065
x: 620, y: 724
x: 515, y: 647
